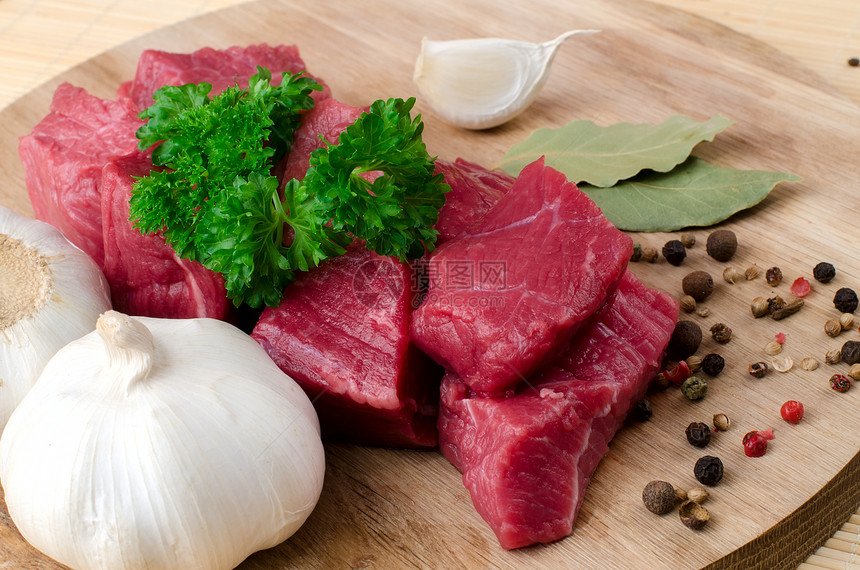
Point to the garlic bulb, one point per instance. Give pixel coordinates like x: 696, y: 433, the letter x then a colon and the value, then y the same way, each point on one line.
x: 51, y: 293
x: 161, y: 443
x: 484, y: 82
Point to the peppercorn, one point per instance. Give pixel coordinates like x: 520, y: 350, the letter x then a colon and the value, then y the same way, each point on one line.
x: 752, y: 272
x: 642, y: 411
x: 687, y: 304
x: 788, y: 310
x: 722, y: 422
x: 772, y: 348
x: 775, y: 303
x: 792, y: 411
x: 833, y: 327
x: 755, y: 442
x: 697, y: 494
x: 846, y: 321
x: 694, y: 363
x: 845, y: 300
x: 773, y: 276
x: 658, y: 383
x: 685, y: 340
x: 693, y: 515
x: 649, y: 254
x: 698, y: 285
x: 854, y: 372
x: 713, y: 364
x: 758, y: 369
x: 850, y: 352
x: 694, y: 388
x: 783, y: 364
x: 854, y: 61
x: 730, y: 275
x: 678, y: 373
x: 722, y: 245
x: 824, y: 272
x: 809, y: 363
x: 840, y: 383
x: 688, y: 239
x: 637, y: 252
x: 721, y: 333
x: 674, y: 252
x: 698, y: 434
x: 659, y: 497
x: 760, y: 307
x: 833, y: 356
x: 708, y: 470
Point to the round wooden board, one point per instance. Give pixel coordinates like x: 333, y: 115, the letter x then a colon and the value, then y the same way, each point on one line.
x: 388, y: 508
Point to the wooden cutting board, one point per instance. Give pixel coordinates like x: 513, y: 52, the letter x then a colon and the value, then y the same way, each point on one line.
x: 388, y: 508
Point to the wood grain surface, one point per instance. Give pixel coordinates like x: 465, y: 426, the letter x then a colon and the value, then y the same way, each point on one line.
x: 388, y: 508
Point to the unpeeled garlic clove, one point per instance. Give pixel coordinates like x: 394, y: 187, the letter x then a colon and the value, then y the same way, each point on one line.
x: 484, y: 82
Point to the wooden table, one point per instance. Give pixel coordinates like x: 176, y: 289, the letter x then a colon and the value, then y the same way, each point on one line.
x: 39, y: 39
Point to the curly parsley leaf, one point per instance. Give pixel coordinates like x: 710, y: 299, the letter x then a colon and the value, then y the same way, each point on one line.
x: 216, y: 201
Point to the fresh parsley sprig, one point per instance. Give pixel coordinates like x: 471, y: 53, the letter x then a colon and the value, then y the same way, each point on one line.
x: 216, y: 201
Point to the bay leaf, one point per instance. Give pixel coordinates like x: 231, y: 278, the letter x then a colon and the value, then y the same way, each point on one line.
x: 601, y: 156
x: 695, y: 193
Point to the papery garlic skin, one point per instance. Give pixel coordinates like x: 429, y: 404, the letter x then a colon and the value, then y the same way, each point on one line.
x: 190, y: 452
x: 484, y: 82
x: 51, y: 293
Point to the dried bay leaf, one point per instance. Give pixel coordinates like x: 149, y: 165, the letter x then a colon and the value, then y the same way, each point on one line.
x: 693, y: 194
x: 601, y: 156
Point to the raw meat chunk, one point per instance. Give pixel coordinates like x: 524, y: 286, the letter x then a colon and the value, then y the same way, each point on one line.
x: 146, y: 276
x: 527, y: 458
x: 506, y: 295
x: 221, y: 68
x: 341, y: 332
x: 63, y: 159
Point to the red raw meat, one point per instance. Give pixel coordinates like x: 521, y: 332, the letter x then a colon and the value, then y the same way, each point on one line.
x: 146, y: 276
x: 221, y: 68
x: 341, y: 332
x: 526, y: 459
x: 63, y: 159
x: 474, y: 190
x: 504, y: 297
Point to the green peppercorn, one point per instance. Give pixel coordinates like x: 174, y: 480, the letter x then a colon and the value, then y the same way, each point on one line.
x: 845, y: 300
x: 698, y: 434
x: 708, y: 470
x: 721, y: 333
x: 851, y: 352
x: 713, y: 364
x: 674, y: 252
x: 637, y: 252
x: 694, y: 388
x: 824, y: 272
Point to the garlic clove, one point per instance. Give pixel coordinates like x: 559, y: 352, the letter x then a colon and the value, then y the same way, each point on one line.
x: 484, y: 82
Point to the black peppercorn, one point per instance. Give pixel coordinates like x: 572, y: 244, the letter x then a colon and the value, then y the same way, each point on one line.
x: 708, y: 470
x: 642, y: 411
x: 824, y: 272
x: 685, y: 340
x: 722, y: 244
x: 698, y: 285
x: 854, y: 61
x: 845, y: 300
x: 851, y: 352
x: 713, y: 364
x: 698, y: 434
x: 674, y: 252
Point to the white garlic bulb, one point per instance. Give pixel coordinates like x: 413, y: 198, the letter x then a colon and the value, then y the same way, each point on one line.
x: 484, y: 82
x: 51, y: 293
x: 158, y: 443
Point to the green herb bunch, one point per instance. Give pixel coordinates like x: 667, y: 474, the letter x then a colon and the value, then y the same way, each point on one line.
x: 216, y: 201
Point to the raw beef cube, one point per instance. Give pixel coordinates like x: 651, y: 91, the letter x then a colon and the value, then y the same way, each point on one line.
x: 146, y: 276
x: 341, y: 331
x: 526, y: 459
x: 221, y: 68
x: 474, y: 190
x: 506, y: 295
x: 63, y: 159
